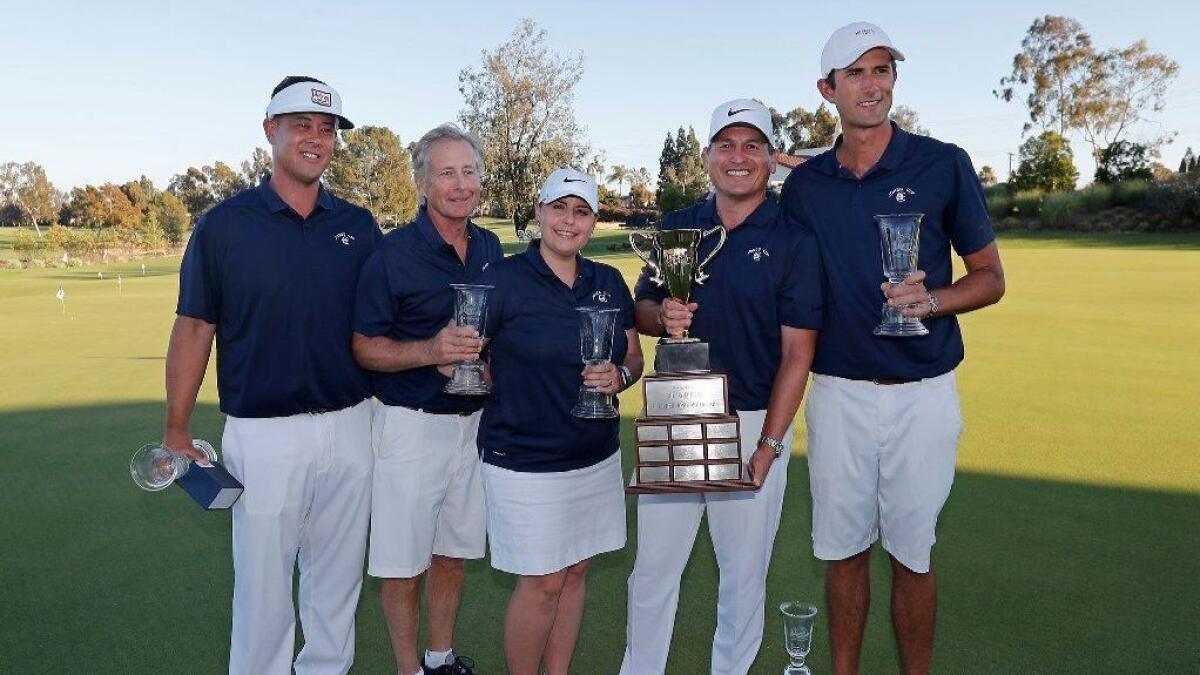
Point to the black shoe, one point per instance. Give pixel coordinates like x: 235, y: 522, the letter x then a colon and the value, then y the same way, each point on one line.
x: 460, y: 666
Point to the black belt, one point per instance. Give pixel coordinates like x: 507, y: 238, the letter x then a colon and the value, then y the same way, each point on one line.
x: 447, y: 412
x: 888, y: 380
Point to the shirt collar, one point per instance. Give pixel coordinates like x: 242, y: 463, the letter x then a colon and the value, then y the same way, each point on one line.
x: 764, y: 214
x: 891, y: 159
x: 275, y: 203
x: 430, y: 232
x: 584, y: 268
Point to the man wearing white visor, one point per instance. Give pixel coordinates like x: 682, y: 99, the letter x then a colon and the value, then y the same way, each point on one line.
x: 883, y: 413
x: 759, y: 311
x: 270, y: 273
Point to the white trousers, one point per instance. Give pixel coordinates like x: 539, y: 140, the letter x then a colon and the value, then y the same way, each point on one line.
x: 307, y: 504
x: 742, y: 526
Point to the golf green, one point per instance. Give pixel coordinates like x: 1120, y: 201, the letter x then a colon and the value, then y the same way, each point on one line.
x: 1069, y: 543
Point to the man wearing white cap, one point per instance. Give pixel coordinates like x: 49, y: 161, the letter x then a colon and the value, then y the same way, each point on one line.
x: 759, y: 312
x: 883, y: 413
x: 271, y: 273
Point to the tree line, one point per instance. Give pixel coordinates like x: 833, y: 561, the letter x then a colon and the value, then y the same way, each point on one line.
x: 519, y: 100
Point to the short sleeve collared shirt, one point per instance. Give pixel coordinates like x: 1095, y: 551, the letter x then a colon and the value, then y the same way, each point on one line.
x: 536, y: 363
x: 280, y: 289
x: 404, y: 293
x: 768, y: 275
x: 916, y: 174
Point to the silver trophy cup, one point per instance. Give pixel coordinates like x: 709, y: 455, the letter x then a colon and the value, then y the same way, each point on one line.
x: 470, y: 309
x: 900, y: 241
x: 155, y: 467
x: 597, y: 325
x: 673, y: 257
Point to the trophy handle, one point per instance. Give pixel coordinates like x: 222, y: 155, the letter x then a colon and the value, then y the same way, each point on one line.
x: 701, y: 277
x: 657, y: 279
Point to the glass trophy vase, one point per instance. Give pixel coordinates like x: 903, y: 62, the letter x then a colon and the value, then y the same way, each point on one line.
x: 596, y: 328
x: 470, y: 309
x: 900, y: 236
x: 154, y: 467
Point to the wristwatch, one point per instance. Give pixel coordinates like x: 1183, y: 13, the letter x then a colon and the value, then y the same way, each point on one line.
x: 626, y: 376
x: 773, y: 443
x: 933, y: 304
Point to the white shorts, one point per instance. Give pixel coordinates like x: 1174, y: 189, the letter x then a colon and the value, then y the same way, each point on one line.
x: 881, y: 462
x: 428, y: 494
x: 540, y: 523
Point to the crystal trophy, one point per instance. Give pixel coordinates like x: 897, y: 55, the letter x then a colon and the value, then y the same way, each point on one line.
x: 597, y: 325
x: 155, y: 467
x: 900, y: 240
x: 797, y: 634
x: 470, y: 309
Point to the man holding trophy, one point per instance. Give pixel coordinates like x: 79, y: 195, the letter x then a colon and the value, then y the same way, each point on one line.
x: 427, y: 509
x: 298, y: 425
x: 759, y: 310
x: 883, y: 414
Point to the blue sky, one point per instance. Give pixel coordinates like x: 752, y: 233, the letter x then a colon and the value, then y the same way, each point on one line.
x: 108, y: 91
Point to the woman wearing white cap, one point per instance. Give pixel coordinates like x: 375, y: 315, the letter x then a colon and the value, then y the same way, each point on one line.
x: 553, y: 481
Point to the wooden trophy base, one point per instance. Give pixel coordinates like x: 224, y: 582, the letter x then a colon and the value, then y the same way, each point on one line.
x: 694, y: 453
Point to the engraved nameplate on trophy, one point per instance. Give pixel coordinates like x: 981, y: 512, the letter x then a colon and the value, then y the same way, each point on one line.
x: 675, y: 395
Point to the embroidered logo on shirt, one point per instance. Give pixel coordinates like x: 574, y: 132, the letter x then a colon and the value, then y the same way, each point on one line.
x: 600, y: 296
x: 758, y: 253
x: 323, y: 98
x: 481, y: 269
x: 344, y: 238
x: 901, y: 195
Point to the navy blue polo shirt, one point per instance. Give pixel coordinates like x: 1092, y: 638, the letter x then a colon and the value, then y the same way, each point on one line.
x: 767, y: 275
x: 916, y: 174
x: 404, y: 293
x: 280, y: 289
x: 536, y: 364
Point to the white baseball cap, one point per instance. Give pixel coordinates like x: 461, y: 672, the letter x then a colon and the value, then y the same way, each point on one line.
x: 852, y: 41
x: 569, y: 182
x: 742, y: 111
x: 309, y: 96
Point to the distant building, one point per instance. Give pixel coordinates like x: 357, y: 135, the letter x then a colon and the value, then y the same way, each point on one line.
x: 785, y: 162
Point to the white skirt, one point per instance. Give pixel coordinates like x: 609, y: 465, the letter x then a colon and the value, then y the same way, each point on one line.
x: 541, y: 523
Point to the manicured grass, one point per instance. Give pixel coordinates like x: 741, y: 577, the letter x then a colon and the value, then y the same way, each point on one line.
x: 1068, y: 544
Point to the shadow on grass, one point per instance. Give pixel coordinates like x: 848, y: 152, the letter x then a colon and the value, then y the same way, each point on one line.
x: 1035, y: 576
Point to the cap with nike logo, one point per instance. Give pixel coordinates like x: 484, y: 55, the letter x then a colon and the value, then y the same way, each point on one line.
x: 568, y: 182
x: 744, y: 112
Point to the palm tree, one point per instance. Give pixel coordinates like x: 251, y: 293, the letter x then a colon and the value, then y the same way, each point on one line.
x: 620, y: 173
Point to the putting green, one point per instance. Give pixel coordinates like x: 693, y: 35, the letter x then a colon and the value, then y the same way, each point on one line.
x: 1068, y: 543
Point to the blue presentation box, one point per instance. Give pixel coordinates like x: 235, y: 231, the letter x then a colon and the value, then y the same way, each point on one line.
x: 211, y: 486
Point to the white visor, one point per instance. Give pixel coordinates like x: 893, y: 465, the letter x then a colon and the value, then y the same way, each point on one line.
x: 309, y: 97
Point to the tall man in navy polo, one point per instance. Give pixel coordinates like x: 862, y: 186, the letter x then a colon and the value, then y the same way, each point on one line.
x: 427, y: 511
x: 271, y: 273
x: 760, y: 312
x: 883, y: 413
